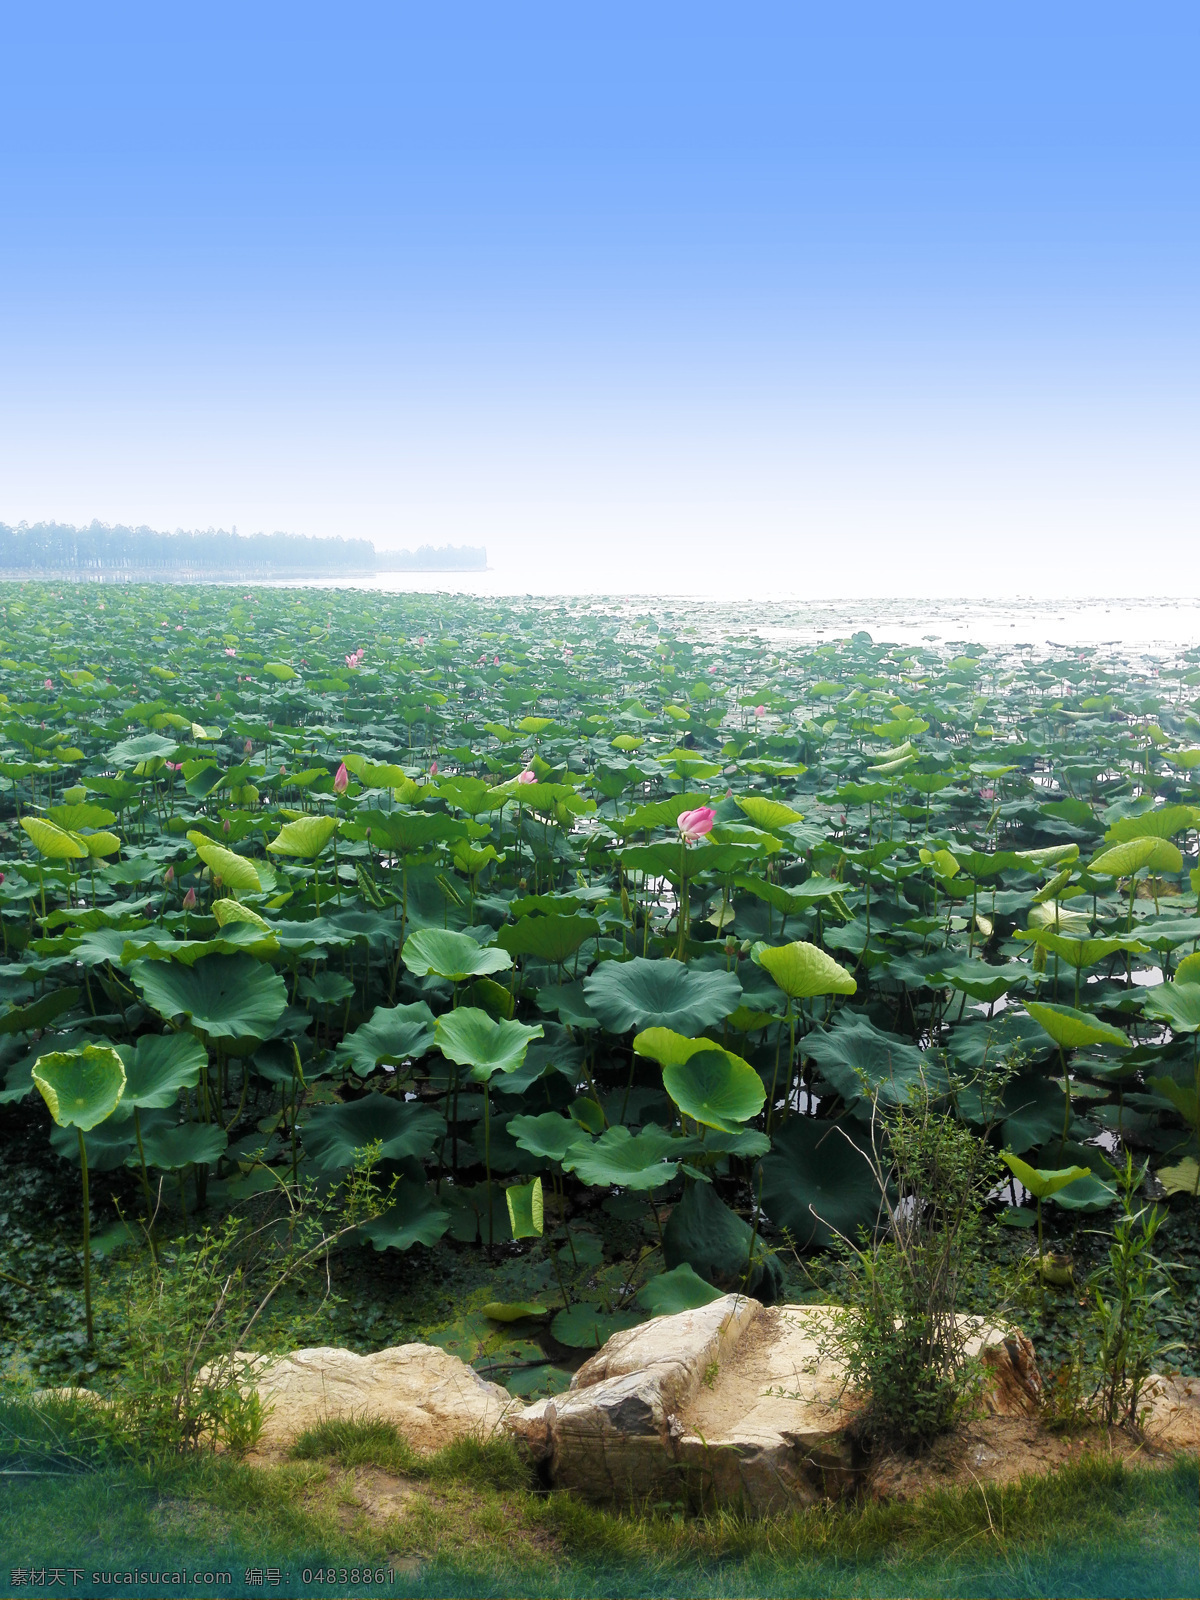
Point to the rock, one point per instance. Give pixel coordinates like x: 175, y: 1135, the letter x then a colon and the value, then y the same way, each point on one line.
x: 1173, y: 1417
x: 735, y: 1403
x: 431, y: 1396
x: 716, y: 1243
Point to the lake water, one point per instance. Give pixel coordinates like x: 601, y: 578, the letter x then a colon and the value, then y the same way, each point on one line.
x: 1167, y: 624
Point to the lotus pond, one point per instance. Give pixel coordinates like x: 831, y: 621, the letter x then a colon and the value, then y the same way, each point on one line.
x: 596, y: 929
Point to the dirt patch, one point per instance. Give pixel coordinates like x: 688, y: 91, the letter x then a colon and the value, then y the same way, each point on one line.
x: 999, y: 1450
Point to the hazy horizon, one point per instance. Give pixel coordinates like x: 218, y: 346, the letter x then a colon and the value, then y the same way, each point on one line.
x: 853, y: 304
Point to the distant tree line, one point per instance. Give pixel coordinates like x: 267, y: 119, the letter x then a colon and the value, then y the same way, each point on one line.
x: 116, y: 553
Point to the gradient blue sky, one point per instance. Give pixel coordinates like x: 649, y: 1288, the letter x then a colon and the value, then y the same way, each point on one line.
x: 854, y: 299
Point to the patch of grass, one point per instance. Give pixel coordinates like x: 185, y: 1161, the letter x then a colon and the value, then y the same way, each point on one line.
x: 493, y: 1463
x: 472, y: 1522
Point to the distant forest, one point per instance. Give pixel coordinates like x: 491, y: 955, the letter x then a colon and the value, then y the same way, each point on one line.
x: 128, y: 554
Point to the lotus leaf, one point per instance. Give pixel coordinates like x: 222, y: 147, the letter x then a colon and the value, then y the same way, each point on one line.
x: 664, y: 993
x: 452, y: 955
x: 223, y: 996
x: 334, y: 1134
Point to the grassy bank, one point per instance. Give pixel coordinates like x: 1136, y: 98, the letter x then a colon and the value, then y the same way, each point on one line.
x: 470, y: 1520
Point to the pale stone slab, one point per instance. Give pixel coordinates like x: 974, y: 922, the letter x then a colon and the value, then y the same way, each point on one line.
x: 431, y: 1396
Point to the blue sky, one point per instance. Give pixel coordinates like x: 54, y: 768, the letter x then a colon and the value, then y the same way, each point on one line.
x: 870, y: 299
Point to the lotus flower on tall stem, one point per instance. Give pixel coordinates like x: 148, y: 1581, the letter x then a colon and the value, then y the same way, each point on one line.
x: 693, y: 825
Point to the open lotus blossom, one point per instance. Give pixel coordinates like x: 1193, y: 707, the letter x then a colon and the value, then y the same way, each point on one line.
x: 173, y: 766
x: 693, y: 825
x: 341, y: 780
x: 760, y: 711
x: 229, y: 650
x: 49, y: 683
x: 528, y: 776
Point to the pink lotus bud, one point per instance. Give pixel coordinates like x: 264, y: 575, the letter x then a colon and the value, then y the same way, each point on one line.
x: 341, y: 781
x: 169, y: 875
x: 495, y: 661
x: 49, y: 684
x: 229, y: 650
x: 759, y: 711
x: 248, y: 746
x: 528, y: 776
x: 1, y: 877
x: 693, y: 825
x: 282, y: 770
x: 226, y: 826
x: 189, y: 900
x: 179, y: 627
x: 421, y: 641
x: 433, y: 769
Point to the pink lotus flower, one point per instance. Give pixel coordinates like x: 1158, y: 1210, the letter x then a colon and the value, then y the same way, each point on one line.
x: 987, y: 794
x: 433, y: 769
x: 760, y: 711
x: 248, y: 747
x: 173, y: 766
x: 49, y: 683
x: 495, y: 661
x: 341, y: 781
x: 528, y: 776
x: 179, y: 627
x: 189, y: 900
x: 693, y: 825
x: 229, y: 650
x: 169, y: 875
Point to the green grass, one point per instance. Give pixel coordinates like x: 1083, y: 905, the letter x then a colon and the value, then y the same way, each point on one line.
x: 475, y: 1523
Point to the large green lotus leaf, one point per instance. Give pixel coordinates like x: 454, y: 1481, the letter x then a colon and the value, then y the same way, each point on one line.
x: 715, y: 1088
x: 40, y: 1012
x: 661, y: 814
x: 720, y: 1246
x: 406, y: 832
x: 981, y: 981
x: 1031, y: 1108
x: 334, y: 1134
x: 1184, y: 1178
x: 225, y: 997
x: 817, y: 1182
x: 1177, y: 1004
x: 635, y: 1161
x: 802, y: 970
x: 227, y: 911
x: 305, y: 837
x: 681, y: 1289
x: 1086, y: 952
x: 234, y: 871
x: 158, y: 1067
x: 473, y: 1039
x: 1123, y: 859
x: 55, y: 843
x: 587, y: 1327
x: 548, y: 1135
x: 1042, y: 1182
x: 1052, y: 855
x: 237, y: 935
x: 449, y: 954
x: 667, y: 1047
x: 109, y: 1145
x: 1074, y: 1030
x: 132, y: 752
x: 1188, y: 970
x: 769, y: 814
x: 859, y: 1059
x: 100, y: 844
x: 552, y: 939
x: 665, y: 994
x: 415, y: 1217
x: 171, y: 1147
x: 81, y: 1087
x: 1086, y: 1194
x: 83, y: 815
x: 393, y: 1035
x: 1162, y: 823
